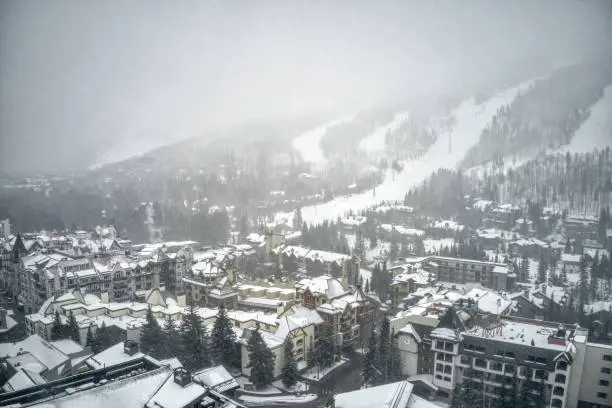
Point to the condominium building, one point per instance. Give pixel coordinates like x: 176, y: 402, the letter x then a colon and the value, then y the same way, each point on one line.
x: 549, y: 358
x: 463, y: 271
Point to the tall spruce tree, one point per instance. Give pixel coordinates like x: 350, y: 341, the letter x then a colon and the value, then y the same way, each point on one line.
x: 90, y: 340
x: 369, y: 372
x: 73, y: 328
x: 261, y: 360
x: 194, y: 342
x: 290, y: 372
x: 170, y: 335
x: 223, y: 339
x: 151, y: 338
x: 102, y: 339
x: 324, y: 353
x: 58, y: 331
x: 384, y: 349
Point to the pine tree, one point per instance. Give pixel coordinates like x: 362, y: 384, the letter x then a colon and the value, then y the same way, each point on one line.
x: 261, y: 360
x: 278, y: 270
x: 384, y: 349
x: 223, y: 339
x: 57, y: 330
x: 194, y: 342
x: 290, y: 372
x: 369, y: 363
x: 102, y: 339
x: 151, y: 338
x: 73, y: 328
x: 367, y: 286
x: 325, y: 351
x: 171, y: 334
x: 90, y: 340
x: 297, y: 218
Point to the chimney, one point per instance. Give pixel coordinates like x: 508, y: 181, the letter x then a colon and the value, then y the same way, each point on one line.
x: 130, y: 347
x: 182, y: 377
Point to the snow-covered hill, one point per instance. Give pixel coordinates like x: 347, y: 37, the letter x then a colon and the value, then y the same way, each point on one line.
x: 308, y: 144
x: 375, y: 141
x: 596, y: 132
x: 469, y: 121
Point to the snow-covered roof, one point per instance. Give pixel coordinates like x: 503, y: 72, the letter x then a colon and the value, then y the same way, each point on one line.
x: 173, y: 395
x: 409, y: 329
x: 482, y: 205
x: 67, y: 346
x: 322, y: 285
x: 519, y: 332
x: 217, y: 378
x: 111, y: 356
x: 400, y: 229
x: 488, y: 301
x: 394, y: 395
x: 130, y: 392
x: 23, y: 379
x: 448, y: 225
x: 445, y: 334
x: 45, y: 352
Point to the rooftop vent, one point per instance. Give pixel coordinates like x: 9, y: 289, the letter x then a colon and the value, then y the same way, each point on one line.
x: 182, y: 377
x: 130, y: 347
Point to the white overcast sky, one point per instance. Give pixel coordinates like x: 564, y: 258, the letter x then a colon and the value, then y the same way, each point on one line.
x: 78, y: 77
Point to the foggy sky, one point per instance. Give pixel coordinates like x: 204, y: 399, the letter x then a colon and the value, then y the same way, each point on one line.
x: 78, y: 77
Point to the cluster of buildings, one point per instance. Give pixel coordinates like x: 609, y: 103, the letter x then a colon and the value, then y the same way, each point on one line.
x: 64, y: 374
x: 445, y: 335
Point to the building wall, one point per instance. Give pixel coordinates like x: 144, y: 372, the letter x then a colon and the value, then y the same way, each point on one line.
x: 409, y: 353
x: 597, y: 368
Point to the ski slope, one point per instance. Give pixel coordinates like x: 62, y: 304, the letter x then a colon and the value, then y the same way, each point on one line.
x: 470, y: 121
x: 375, y: 141
x: 596, y: 131
x: 308, y: 144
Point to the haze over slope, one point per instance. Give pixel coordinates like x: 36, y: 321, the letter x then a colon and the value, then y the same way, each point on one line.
x: 78, y: 78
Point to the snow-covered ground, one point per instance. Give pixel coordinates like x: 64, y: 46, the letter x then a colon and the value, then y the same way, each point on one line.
x: 596, y: 131
x: 433, y: 245
x: 375, y: 141
x: 316, y: 373
x: 593, y: 133
x: 308, y: 144
x: 470, y: 121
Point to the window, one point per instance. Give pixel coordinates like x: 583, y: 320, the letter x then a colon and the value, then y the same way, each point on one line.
x: 439, y: 367
x: 556, y: 402
x: 602, y: 395
x: 494, y: 365
x: 605, y: 383
x: 438, y: 377
x: 558, y: 391
x: 447, y: 379
x: 448, y: 346
x: 448, y: 358
x: 439, y: 344
x: 607, y: 357
x: 562, y: 366
x: 448, y: 370
x: 560, y: 378
x: 480, y: 362
x: 606, y: 370
x: 541, y: 374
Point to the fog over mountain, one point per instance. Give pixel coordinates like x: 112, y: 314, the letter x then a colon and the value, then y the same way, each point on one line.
x: 77, y: 79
